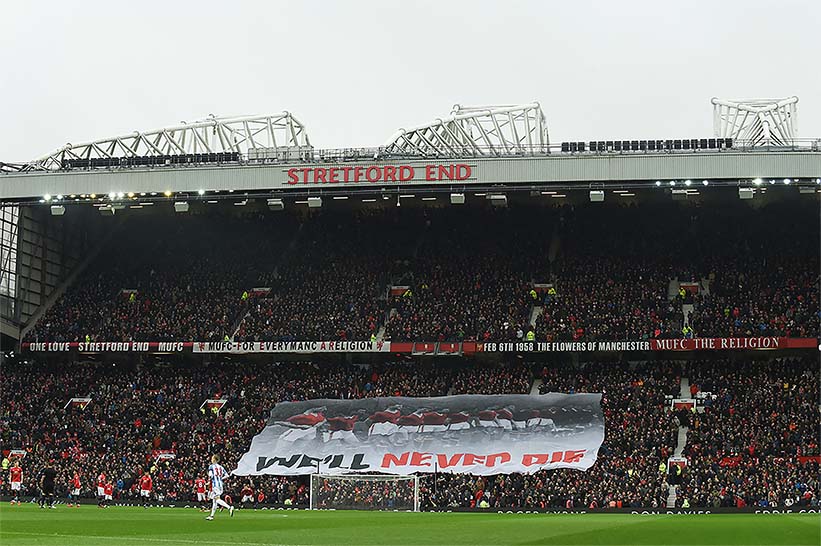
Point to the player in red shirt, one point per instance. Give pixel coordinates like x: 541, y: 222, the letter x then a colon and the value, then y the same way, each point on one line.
x: 101, y: 481
x: 145, y: 488
x: 109, y: 493
x: 246, y: 495
x: 16, y: 479
x: 74, y: 491
x: 199, y: 485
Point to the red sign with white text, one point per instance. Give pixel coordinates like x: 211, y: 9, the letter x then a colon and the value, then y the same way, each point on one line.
x: 425, y: 347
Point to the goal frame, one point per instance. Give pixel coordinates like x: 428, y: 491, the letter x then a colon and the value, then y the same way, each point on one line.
x: 365, y: 477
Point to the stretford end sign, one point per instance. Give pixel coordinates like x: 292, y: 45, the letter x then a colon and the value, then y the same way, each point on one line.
x: 429, y: 347
x: 364, y: 174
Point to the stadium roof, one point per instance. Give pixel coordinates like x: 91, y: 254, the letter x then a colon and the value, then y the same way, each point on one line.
x: 757, y: 121
x: 476, y: 131
x: 269, y: 133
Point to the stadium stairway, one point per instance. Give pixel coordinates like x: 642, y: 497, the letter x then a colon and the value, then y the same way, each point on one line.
x: 537, y: 384
x: 535, y: 313
x: 684, y: 390
x: 681, y: 441
x: 671, y: 496
x: 686, y: 310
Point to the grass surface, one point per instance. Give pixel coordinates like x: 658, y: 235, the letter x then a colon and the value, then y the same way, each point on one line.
x: 90, y: 526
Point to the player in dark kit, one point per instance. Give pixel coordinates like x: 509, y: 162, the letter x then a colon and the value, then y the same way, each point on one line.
x: 47, y: 477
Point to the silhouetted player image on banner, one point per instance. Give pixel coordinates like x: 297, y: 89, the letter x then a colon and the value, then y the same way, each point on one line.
x: 476, y: 434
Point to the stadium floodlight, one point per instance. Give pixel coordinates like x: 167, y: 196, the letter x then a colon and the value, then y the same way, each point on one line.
x: 787, y: 181
x: 596, y: 196
x: 746, y: 193
x: 758, y: 181
x: 314, y: 202
x: 181, y: 206
x: 457, y: 199
x: 58, y: 210
x: 167, y: 193
x: 276, y: 204
x: 131, y: 195
x: 47, y: 197
x: 59, y: 197
x: 658, y: 182
x: 688, y: 182
x: 200, y: 192
x: 112, y: 195
x: 705, y: 182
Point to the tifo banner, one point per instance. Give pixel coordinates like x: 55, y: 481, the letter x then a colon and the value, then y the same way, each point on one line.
x: 475, y: 434
x: 425, y: 347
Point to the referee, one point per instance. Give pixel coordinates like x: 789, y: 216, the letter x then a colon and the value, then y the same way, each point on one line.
x: 47, y: 477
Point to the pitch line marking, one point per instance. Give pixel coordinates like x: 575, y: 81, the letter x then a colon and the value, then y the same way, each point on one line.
x: 208, y: 541
x: 147, y: 539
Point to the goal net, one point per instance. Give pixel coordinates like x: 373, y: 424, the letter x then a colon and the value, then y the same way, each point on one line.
x: 364, y: 492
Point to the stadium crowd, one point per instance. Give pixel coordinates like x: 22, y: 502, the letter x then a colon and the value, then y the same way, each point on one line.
x: 757, y: 441
x: 766, y: 419
x: 469, y: 273
x: 166, y: 279
x: 468, y: 279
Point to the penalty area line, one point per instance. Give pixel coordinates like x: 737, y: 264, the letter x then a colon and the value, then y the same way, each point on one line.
x: 147, y: 539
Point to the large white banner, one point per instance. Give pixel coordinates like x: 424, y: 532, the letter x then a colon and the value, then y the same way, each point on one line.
x: 475, y: 434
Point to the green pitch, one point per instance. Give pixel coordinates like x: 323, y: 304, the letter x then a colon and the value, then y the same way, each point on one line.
x: 91, y: 526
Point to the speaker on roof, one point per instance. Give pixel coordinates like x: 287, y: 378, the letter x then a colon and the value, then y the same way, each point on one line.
x: 746, y: 193
x: 498, y: 200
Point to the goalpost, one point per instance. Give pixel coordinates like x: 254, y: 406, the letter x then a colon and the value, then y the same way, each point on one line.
x: 364, y: 492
